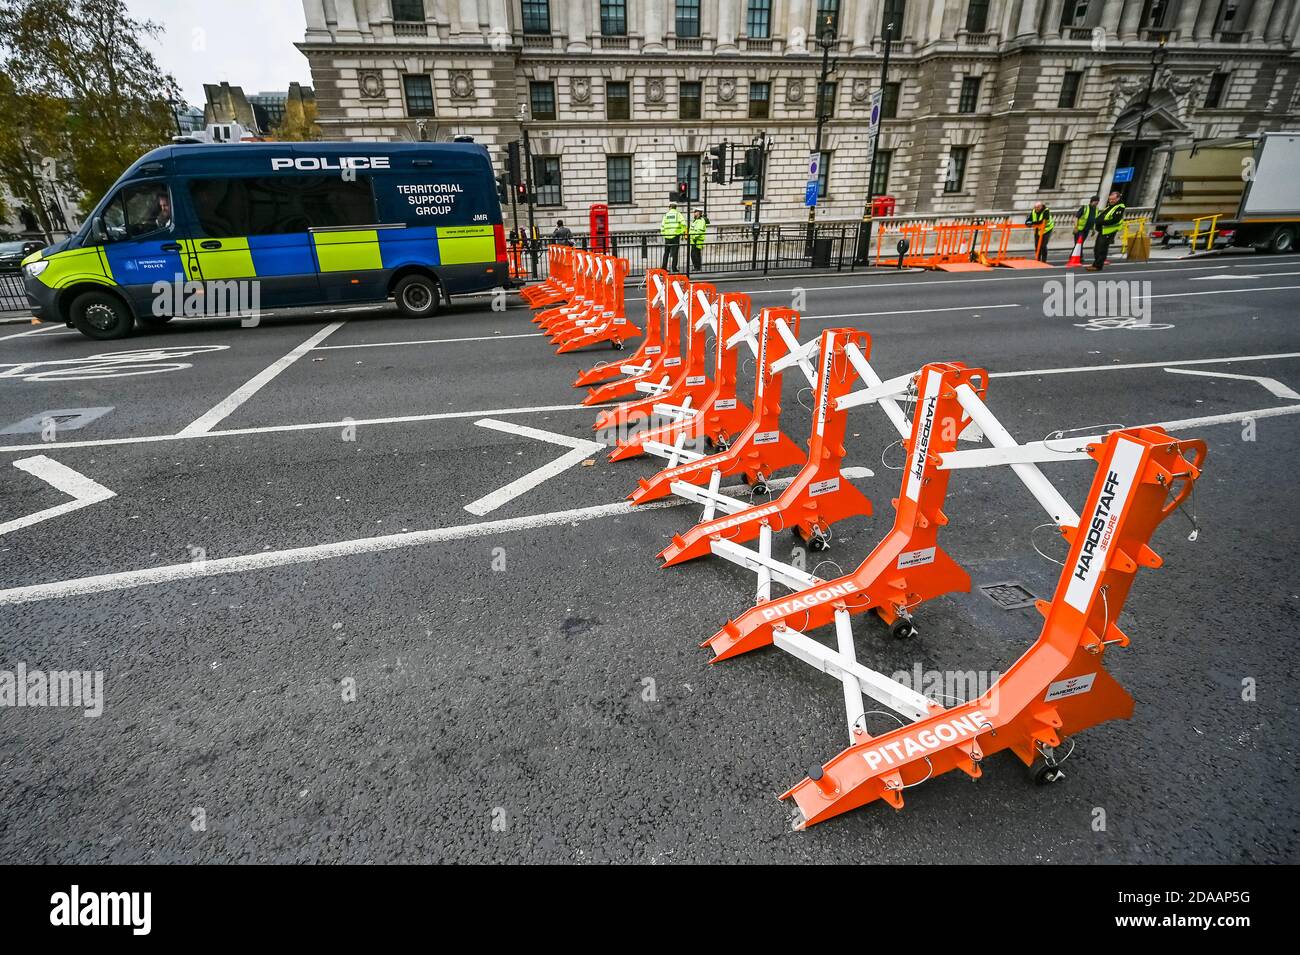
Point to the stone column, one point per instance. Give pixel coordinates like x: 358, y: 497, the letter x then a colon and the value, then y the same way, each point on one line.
x: 1130, y: 15
x: 315, y: 13
x: 1027, y: 24
x: 655, y: 12
x: 1258, y: 17
x: 1187, y: 19
x: 1277, y: 22
x: 866, y: 17
x: 1110, y: 16
x: 728, y: 16
x: 345, y: 15
x: 579, y: 42
x: 797, y: 39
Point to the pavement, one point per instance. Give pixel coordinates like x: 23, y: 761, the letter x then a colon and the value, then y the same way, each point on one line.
x: 311, y: 650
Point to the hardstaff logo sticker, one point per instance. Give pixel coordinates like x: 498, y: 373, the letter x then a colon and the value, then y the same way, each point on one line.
x: 767, y: 437
x: 653, y: 349
x: 916, y: 558
x: 823, y: 487
x: 725, y: 404
x: 694, y: 381
x: 672, y: 362
x: 1072, y: 686
x: 906, y: 748
x: 1098, y: 531
x: 824, y: 383
x: 916, y: 467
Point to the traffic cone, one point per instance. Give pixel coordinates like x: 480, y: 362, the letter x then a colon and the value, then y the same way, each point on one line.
x: 1076, y: 257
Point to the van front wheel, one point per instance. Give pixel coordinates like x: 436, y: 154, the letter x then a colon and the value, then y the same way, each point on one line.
x: 101, y: 316
x: 417, y: 296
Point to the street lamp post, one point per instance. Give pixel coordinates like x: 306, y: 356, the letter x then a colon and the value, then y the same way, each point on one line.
x: 1157, y: 60
x: 826, y: 39
x: 868, y: 213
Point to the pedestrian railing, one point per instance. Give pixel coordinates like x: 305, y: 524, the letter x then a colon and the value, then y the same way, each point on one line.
x: 13, y: 297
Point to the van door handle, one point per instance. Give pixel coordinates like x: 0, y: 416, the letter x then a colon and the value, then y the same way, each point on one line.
x: 210, y: 244
x: 170, y: 247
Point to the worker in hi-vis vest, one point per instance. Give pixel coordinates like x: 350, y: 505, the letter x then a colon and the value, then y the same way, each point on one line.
x: 1040, y: 217
x: 1085, y: 220
x: 672, y: 228
x: 1108, y: 223
x: 699, y: 232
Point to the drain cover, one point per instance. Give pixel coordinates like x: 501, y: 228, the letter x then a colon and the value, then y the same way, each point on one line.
x: 1009, y: 595
x: 64, y: 419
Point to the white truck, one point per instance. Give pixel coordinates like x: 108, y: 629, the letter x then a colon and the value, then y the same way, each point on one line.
x: 1251, y: 183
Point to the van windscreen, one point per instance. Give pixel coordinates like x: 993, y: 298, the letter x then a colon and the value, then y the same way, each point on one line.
x: 226, y: 208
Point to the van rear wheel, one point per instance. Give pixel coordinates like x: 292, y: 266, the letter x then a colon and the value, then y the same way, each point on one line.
x: 417, y: 296
x: 101, y: 316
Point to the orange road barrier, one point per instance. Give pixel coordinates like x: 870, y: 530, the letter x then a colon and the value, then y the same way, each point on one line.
x: 819, y: 495
x: 958, y: 246
x: 1060, y: 686
x: 608, y: 322
x: 579, y: 301
x: 595, y: 292
x: 917, y: 236
x: 675, y: 369
x: 906, y: 568
x: 761, y: 449
x: 666, y: 300
x: 718, y: 414
x: 652, y: 345
x: 559, y: 286
x: 1001, y: 256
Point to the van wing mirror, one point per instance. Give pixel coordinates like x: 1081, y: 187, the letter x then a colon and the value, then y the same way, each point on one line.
x: 98, y: 232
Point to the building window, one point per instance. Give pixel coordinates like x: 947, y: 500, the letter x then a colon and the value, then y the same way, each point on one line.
x: 1069, y: 89
x: 536, y: 15
x: 1074, y: 13
x: 828, y: 10
x: 546, y: 180
x: 970, y: 94
x: 408, y: 11
x: 889, y: 100
x: 419, y: 95
x: 618, y: 101
x: 618, y: 180
x: 688, y: 171
x: 1052, y: 165
x: 613, y: 17
x: 884, y: 159
x: 1155, y: 13
x: 688, y: 18
x: 895, y: 10
x: 758, y: 20
x: 956, y: 178
x: 824, y: 174
x: 977, y: 16
x: 826, y: 99
x: 688, y: 100
x: 541, y: 97
x: 760, y: 100
x: 1229, y: 22
x: 1214, y: 94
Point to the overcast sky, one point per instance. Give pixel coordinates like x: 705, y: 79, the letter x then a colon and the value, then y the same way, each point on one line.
x: 247, y: 43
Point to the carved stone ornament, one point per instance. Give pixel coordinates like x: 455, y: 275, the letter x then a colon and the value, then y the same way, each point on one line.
x: 372, y: 85
x: 861, y: 91
x: 794, y: 90
x: 462, y: 84
x: 580, y: 89
x: 726, y: 90
x: 654, y: 90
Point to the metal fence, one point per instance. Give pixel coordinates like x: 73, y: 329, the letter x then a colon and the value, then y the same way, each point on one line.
x: 12, y: 296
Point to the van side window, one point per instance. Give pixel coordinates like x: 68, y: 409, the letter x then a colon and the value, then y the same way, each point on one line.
x: 138, y: 210
x: 266, y: 205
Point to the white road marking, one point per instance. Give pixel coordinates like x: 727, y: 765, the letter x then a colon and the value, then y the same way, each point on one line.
x: 1275, y: 387
x: 263, y: 560
x: 1235, y: 417
x: 428, y: 341
x: 76, y: 485
x: 1141, y: 364
x: 1224, y: 291
x: 116, y: 364
x: 905, y: 311
x: 1239, y: 276
x: 310, y: 426
x: 582, y: 449
x: 223, y: 409
x: 33, y: 331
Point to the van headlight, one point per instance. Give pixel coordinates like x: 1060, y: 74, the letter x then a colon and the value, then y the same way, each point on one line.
x: 34, y: 269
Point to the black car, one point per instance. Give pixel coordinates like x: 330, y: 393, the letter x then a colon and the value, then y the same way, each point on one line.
x: 13, y: 253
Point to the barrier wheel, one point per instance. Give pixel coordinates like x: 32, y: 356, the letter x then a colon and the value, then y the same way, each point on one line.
x: 1044, y: 773
x: 818, y: 543
x: 902, y: 629
x: 616, y: 345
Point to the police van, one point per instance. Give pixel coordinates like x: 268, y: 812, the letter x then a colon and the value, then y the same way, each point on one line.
x: 301, y: 224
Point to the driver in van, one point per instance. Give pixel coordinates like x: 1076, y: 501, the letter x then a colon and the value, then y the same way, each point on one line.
x: 162, y: 216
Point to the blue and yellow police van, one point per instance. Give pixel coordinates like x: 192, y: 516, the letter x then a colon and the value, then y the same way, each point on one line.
x: 303, y: 224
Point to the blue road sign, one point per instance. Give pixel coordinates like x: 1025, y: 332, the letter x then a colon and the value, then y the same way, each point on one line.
x: 810, y: 194
x: 1123, y: 174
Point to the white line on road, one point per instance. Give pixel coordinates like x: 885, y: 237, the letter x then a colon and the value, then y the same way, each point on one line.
x: 582, y: 449
x: 310, y: 426
x: 1141, y: 364
x: 1239, y: 276
x: 1224, y: 291
x: 429, y: 341
x: 219, y: 412
x: 906, y: 311
x: 76, y: 485
x: 1275, y: 387
x: 34, y: 331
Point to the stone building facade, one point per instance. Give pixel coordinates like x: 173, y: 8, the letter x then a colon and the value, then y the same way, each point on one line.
x: 991, y: 104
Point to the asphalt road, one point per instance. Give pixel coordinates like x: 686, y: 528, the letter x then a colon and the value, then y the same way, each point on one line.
x: 527, y: 680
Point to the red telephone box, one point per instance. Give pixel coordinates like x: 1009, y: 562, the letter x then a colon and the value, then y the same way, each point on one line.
x: 598, y: 227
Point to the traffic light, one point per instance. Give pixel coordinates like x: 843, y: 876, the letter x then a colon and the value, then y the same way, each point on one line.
x: 522, y: 193
x: 681, y: 194
x: 514, y: 165
x: 503, y: 188
x: 719, y: 154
